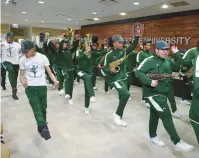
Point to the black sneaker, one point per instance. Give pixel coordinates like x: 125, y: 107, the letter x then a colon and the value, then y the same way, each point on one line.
x: 15, y: 97
x: 45, y: 134
x: 4, y: 87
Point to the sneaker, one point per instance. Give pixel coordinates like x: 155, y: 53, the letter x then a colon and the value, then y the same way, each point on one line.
x: 147, y: 105
x: 177, y: 114
x: 70, y: 102
x: 61, y: 92
x: 113, y: 89
x: 117, y: 119
x: 142, y: 101
x: 92, y: 99
x: 4, y: 87
x: 67, y: 96
x: 45, y: 134
x: 94, y: 88
x: 130, y: 99
x: 185, y: 102
x: 87, y: 111
x: 156, y: 141
x: 75, y: 83
x: 124, y: 124
x: 182, y: 146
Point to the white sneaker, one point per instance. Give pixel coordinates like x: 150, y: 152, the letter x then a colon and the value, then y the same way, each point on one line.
x: 61, y: 92
x: 124, y: 124
x: 117, y: 119
x: 185, y: 102
x: 70, y: 102
x: 87, y: 111
x: 130, y: 99
x: 92, y: 99
x: 107, y: 92
x: 147, y: 105
x: 67, y: 96
x: 75, y: 83
x: 95, y: 88
x: 113, y: 89
x: 177, y: 114
x: 182, y: 146
x: 156, y: 141
x: 142, y: 101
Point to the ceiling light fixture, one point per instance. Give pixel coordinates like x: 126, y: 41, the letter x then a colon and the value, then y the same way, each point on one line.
x: 94, y: 13
x: 42, y: 21
x: 95, y: 19
x: 26, y: 19
x: 41, y: 2
x: 69, y: 19
x: 23, y: 12
x: 165, y: 6
x: 76, y: 22
x: 136, y: 3
x: 122, y: 14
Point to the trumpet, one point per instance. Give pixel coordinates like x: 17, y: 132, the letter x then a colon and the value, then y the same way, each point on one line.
x: 87, y: 42
x: 71, y: 35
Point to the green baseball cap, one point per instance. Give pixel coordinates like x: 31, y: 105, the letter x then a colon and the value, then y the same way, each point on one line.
x: 162, y: 45
x: 26, y: 46
x: 117, y: 38
x: 10, y: 34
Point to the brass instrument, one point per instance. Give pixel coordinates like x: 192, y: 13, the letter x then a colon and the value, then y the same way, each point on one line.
x: 161, y: 76
x: 115, y: 64
x: 70, y: 35
x: 46, y: 36
x: 190, y: 73
x: 87, y: 42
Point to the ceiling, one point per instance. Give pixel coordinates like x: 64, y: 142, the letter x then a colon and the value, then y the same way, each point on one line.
x: 81, y: 10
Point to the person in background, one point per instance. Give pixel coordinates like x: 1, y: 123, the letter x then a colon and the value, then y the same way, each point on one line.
x: 194, y: 110
x: 3, y: 72
x: 10, y: 57
x: 142, y: 55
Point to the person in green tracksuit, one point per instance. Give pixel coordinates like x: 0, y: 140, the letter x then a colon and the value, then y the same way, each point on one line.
x: 156, y: 92
x: 32, y: 77
x: 142, y: 55
x: 118, y: 78
x: 84, y: 71
x: 194, y: 110
x: 67, y: 69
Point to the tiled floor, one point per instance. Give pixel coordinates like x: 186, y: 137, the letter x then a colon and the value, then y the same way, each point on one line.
x: 75, y: 135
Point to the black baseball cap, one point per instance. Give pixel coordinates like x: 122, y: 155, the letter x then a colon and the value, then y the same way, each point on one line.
x: 146, y: 41
x: 26, y: 46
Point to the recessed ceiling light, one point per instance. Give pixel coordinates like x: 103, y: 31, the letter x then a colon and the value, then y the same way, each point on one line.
x: 136, y: 3
x: 41, y: 2
x: 23, y: 12
x: 26, y: 19
x: 165, y: 6
x: 94, y: 13
x: 69, y: 19
x: 42, y: 21
x: 122, y: 14
x: 95, y: 19
x: 76, y: 22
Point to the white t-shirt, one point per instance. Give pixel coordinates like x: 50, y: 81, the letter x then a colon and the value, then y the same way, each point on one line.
x: 10, y: 52
x: 34, y: 69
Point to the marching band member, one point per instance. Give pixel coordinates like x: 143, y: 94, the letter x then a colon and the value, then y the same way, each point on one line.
x: 3, y: 72
x: 85, y: 69
x: 32, y: 77
x: 156, y: 92
x: 114, y: 71
x: 194, y: 110
x: 143, y: 54
x: 10, y: 56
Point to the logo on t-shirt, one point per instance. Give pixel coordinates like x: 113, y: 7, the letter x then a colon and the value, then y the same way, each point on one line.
x: 10, y: 52
x: 35, y: 72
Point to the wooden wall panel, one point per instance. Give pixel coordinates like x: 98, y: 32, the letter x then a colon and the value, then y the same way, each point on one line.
x: 179, y: 26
